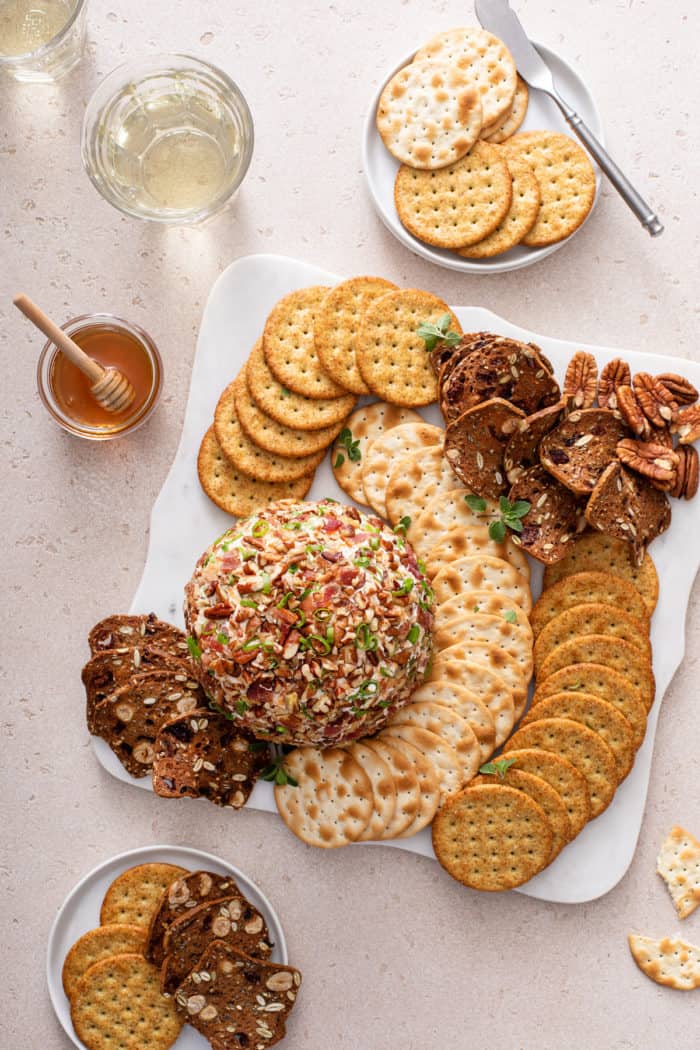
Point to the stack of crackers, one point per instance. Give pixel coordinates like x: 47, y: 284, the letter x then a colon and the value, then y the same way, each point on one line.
x: 144, y: 701
x: 320, y: 349
x: 172, y: 947
x: 586, y: 720
x: 467, y: 181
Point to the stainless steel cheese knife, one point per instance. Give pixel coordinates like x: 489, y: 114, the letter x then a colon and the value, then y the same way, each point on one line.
x: 499, y: 19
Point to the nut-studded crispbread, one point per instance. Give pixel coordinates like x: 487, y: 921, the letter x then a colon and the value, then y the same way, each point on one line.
x: 181, y: 897
x: 130, y: 717
x: 443, y: 758
x: 591, y: 618
x: 117, y: 1003
x: 668, y: 961
x: 365, y: 424
x: 470, y: 540
x: 492, y: 837
x: 417, y: 786
x: 584, y: 587
x: 474, y: 444
x: 600, y: 681
x: 510, y: 637
x: 502, y: 368
x: 551, y: 525
x: 627, y: 506
x: 230, y: 919
x: 564, y: 777
x: 383, y: 789
x: 487, y: 602
x: 135, y: 894
x: 95, y: 945
x: 391, y: 356
x: 299, y: 411
x: 488, y: 61
x: 248, y: 457
x: 272, y: 436
x: 236, y: 1001
x: 596, y: 714
x: 678, y: 865
x: 581, y: 746
x: 112, y: 668
x: 593, y: 551
x: 581, y: 446
x: 446, y: 511
x: 491, y: 689
x: 336, y: 324
x: 289, y: 349
x: 203, y: 755
x: 522, y: 450
x: 415, y: 479
x: 482, y: 573
x: 544, y: 795
x: 511, y: 669
x: 449, y: 725
x: 566, y: 179
x: 332, y: 802
x: 429, y: 114
x: 118, y: 632
x: 511, y: 121
x: 234, y: 491
x: 518, y: 220
x: 467, y: 705
x: 457, y: 205
x: 378, y: 461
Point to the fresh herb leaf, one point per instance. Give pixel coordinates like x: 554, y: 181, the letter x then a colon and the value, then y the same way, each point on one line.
x: 432, y: 334
x: 510, y: 615
x: 285, y: 392
x: 352, y: 448
x: 498, y: 768
x: 476, y: 503
x: 339, y: 460
x: 277, y: 774
x: 497, y: 530
x: 195, y: 651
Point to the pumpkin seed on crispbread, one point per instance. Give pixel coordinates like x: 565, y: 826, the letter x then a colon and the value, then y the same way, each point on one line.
x: 474, y: 445
x: 522, y: 450
x: 596, y: 714
x: 583, y: 587
x: 492, y: 837
x: 626, y: 505
x: 594, y: 551
x: 603, y: 682
x: 551, y: 524
x: 580, y: 447
x: 591, y: 618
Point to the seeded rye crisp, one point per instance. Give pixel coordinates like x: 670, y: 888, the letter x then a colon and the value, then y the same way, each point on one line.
x: 310, y: 622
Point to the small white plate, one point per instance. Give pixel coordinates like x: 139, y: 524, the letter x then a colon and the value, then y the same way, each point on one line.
x: 80, y: 912
x: 380, y: 168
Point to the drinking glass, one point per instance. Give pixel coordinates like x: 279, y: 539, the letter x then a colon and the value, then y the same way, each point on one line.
x: 167, y: 138
x: 40, y: 40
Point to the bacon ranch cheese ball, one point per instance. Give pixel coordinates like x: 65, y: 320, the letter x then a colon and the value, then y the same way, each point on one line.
x: 310, y: 622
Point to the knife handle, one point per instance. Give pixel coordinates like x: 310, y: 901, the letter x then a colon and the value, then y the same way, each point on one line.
x: 649, y: 220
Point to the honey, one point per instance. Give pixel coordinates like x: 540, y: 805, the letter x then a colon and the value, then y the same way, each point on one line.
x: 114, y: 344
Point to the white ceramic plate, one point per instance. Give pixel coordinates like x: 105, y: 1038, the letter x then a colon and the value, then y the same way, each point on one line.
x: 380, y: 168
x: 184, y: 522
x: 80, y: 912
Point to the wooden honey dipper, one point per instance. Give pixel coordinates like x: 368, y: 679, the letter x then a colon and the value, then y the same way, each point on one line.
x: 109, y: 387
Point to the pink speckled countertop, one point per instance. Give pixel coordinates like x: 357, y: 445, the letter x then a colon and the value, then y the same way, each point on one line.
x: 394, y: 953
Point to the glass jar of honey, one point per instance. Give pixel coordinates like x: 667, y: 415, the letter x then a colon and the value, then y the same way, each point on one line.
x: 114, y: 343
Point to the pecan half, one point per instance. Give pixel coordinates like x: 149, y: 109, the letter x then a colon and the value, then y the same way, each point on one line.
x: 692, y: 471
x: 656, y: 402
x: 687, y: 424
x: 614, y: 375
x: 631, y: 411
x: 680, y: 388
x: 581, y: 380
x: 656, y: 462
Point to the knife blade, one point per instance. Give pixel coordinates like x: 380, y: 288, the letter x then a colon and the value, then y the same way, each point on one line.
x: 498, y: 18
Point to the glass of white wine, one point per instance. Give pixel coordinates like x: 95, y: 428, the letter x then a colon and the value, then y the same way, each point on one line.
x: 167, y: 138
x: 40, y: 40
